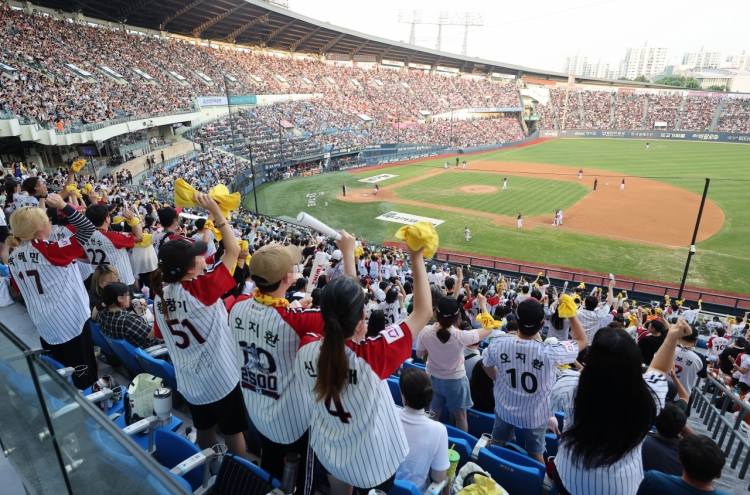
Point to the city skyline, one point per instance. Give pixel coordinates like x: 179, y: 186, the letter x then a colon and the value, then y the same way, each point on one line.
x: 544, y: 36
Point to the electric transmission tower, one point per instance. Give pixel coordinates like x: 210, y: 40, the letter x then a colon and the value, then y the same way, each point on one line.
x: 441, y: 19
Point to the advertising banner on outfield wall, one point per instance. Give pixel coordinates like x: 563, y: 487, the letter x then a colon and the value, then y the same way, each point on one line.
x: 407, y: 219
x: 718, y: 137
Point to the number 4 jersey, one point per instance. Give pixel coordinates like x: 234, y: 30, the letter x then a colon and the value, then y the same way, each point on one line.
x: 359, y: 438
x: 267, y: 339
x: 526, y: 371
x: 192, y: 321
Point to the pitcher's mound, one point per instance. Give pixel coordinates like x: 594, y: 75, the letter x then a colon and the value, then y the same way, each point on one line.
x: 478, y: 189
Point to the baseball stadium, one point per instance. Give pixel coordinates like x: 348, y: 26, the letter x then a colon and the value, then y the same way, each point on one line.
x: 200, y: 196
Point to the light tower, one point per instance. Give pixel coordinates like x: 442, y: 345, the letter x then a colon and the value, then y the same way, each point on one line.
x: 441, y: 19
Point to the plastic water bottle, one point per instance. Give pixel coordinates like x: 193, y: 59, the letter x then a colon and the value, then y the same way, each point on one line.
x: 145, y: 291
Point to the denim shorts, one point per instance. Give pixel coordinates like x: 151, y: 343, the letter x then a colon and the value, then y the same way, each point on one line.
x: 455, y: 393
x: 534, y: 439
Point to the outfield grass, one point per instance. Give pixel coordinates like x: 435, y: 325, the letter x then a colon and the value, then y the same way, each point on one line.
x: 538, y: 196
x: 722, y: 262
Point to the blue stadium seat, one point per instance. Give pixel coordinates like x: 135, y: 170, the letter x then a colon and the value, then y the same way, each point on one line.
x: 393, y: 384
x: 98, y: 337
x: 463, y: 448
x: 517, y: 474
x: 480, y: 423
x: 239, y: 476
x: 116, y: 408
x: 141, y: 439
x: 157, y: 367
x: 456, y: 433
x: 409, y: 364
x: 172, y: 449
x: 125, y: 352
x: 56, y: 365
x: 560, y: 420
x: 403, y: 488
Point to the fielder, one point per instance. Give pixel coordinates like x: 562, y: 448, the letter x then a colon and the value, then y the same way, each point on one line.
x: 622, y: 185
x: 580, y: 174
x: 519, y: 218
x: 467, y: 233
x: 375, y: 190
x: 464, y: 165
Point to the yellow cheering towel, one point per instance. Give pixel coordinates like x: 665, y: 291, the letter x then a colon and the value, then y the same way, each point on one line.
x: 184, y: 195
x: 210, y: 225
x: 359, y: 252
x: 87, y: 188
x: 78, y: 165
x: 488, y: 321
x: 71, y: 187
x: 146, y: 241
x: 700, y: 302
x: 658, y: 312
x: 244, y: 245
x: 482, y: 486
x: 420, y: 235
x: 567, y: 307
x: 581, y: 285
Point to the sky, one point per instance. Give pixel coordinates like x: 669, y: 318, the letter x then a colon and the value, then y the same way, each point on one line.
x: 540, y: 34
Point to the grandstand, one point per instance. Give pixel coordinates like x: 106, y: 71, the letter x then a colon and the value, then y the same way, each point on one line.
x: 155, y: 98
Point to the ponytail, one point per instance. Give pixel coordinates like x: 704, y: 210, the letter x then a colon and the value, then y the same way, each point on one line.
x: 443, y: 333
x: 342, y: 308
x: 333, y: 366
x: 13, y: 241
x: 157, y: 286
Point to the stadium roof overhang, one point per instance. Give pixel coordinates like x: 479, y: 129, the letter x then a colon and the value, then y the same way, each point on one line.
x: 257, y: 23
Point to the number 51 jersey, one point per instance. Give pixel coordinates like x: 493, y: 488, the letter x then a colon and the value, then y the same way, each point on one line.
x: 267, y: 339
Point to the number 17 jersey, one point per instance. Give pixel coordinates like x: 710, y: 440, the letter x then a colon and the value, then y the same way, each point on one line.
x: 526, y: 371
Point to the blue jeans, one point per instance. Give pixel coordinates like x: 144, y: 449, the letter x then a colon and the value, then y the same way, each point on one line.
x: 455, y: 393
x: 534, y: 440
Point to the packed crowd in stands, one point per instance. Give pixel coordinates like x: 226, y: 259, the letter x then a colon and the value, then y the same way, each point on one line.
x: 597, y: 109
x: 735, y: 117
x: 516, y: 349
x: 664, y: 108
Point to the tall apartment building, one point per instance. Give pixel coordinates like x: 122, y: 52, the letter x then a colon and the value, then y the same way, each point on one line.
x: 644, y: 61
x: 702, y: 59
x: 597, y: 69
x: 741, y: 62
x: 576, y: 64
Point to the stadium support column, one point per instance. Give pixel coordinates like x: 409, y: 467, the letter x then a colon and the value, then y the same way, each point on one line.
x: 691, y: 252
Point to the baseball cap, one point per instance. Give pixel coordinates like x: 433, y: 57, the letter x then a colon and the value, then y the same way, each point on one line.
x: 447, y: 307
x: 740, y: 341
x: 176, y: 255
x: 380, y: 295
x: 530, y: 313
x: 510, y: 317
x: 337, y: 255
x: 433, y: 268
x: 270, y: 264
x: 112, y: 291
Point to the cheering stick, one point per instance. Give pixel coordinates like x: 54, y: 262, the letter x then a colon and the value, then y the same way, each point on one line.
x: 311, y: 222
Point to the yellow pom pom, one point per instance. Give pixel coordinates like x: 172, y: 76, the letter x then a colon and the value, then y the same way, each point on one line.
x: 78, y: 165
x: 420, y: 235
x: 567, y: 307
x: 581, y: 285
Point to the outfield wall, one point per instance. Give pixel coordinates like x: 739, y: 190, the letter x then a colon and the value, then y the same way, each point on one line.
x: 716, y: 137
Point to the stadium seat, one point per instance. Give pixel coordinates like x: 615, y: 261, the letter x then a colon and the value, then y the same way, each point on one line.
x: 393, y: 384
x: 560, y: 420
x: 116, y: 408
x: 456, y: 433
x: 238, y: 476
x: 551, y: 441
x: 56, y: 365
x: 410, y: 364
x: 462, y: 447
x: 141, y: 439
x: 401, y: 487
x: 98, y: 337
x: 157, y: 367
x: 517, y: 474
x: 125, y: 352
x: 480, y: 423
x: 172, y: 449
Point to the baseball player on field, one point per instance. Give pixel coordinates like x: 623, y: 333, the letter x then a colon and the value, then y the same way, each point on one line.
x: 505, y: 183
x: 356, y: 431
x: 268, y: 334
x: 524, y: 370
x: 467, y: 233
x: 519, y: 219
x: 47, y: 276
x: 191, y: 318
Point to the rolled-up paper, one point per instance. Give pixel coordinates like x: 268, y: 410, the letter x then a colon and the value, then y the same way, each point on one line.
x: 311, y: 222
x: 565, y: 287
x: 319, y: 268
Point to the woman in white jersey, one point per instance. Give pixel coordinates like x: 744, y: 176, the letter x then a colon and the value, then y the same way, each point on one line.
x: 356, y: 432
x: 46, y: 274
x: 600, y: 448
x: 191, y: 319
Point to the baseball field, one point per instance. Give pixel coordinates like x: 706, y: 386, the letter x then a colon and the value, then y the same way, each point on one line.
x: 642, y: 231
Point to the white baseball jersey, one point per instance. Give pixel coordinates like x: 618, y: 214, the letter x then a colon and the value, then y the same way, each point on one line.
x: 197, y: 335
x: 434, y: 278
x: 621, y: 478
x: 60, y: 232
x: 743, y: 361
x: 47, y: 276
x: 374, y: 270
x: 158, y: 239
x: 385, y: 271
x: 267, y: 340
x: 359, y: 438
x: 738, y: 330
x: 687, y: 366
x: 392, y: 312
x: 111, y: 247
x: 716, y: 345
x: 526, y: 371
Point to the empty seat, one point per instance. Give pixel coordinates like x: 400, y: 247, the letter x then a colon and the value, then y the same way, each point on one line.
x: 125, y: 352
x: 157, y: 367
x: 480, y: 423
x: 518, y: 474
x: 394, y: 385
